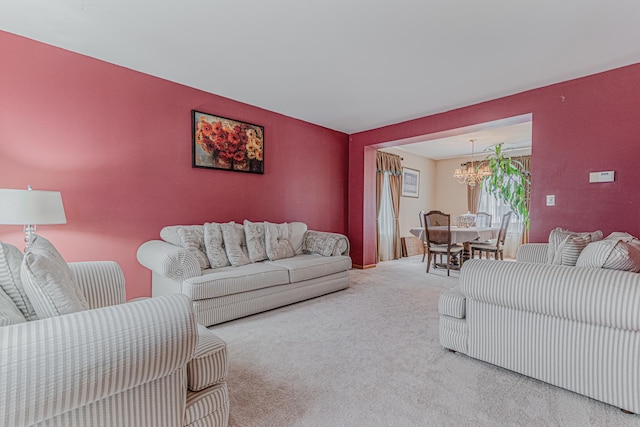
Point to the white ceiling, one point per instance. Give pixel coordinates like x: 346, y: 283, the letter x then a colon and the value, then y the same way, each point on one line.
x: 348, y: 65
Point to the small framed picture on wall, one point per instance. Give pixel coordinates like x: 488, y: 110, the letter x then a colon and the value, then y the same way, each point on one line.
x: 410, y: 182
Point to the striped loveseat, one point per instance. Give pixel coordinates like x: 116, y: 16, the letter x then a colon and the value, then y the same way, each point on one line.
x: 573, y: 327
x: 141, y: 363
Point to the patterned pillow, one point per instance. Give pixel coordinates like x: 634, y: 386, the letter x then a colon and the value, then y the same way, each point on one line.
x: 254, y: 233
x: 9, y: 313
x: 558, y: 235
x: 611, y: 254
x: 10, y: 281
x: 214, y: 245
x: 49, y: 282
x: 569, y: 250
x: 192, y: 239
x: 277, y: 241
x: 235, y: 244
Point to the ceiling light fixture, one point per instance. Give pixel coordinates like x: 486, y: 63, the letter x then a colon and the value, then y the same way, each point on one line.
x: 471, y: 174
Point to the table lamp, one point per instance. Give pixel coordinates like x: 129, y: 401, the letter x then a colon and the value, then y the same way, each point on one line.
x: 30, y: 208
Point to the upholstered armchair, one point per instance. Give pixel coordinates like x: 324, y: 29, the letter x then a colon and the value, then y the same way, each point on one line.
x: 141, y: 363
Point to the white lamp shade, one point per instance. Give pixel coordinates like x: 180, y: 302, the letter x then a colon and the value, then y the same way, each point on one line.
x: 31, y: 207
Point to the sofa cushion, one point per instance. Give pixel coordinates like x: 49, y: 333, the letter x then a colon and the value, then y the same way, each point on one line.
x: 305, y: 267
x: 569, y: 250
x: 622, y: 254
x: 11, y: 282
x: 214, y: 245
x: 232, y: 280
x: 452, y: 303
x: 235, y: 244
x: 49, y: 282
x: 558, y: 235
x: 192, y: 239
x: 277, y: 241
x: 9, y: 313
x: 254, y: 234
x: 209, y: 363
x: 208, y: 407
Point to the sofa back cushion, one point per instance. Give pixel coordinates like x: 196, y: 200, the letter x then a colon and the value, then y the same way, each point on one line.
x: 49, y: 282
x: 11, y: 282
x: 277, y: 241
x: 9, y: 313
x: 214, y: 245
x: 254, y: 234
x: 235, y: 244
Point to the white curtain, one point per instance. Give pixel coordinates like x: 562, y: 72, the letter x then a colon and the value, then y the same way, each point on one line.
x: 386, y: 222
x: 495, y: 207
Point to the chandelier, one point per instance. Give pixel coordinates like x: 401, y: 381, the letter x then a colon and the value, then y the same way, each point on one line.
x: 471, y: 174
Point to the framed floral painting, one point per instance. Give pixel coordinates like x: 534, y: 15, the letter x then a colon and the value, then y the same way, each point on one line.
x: 222, y: 143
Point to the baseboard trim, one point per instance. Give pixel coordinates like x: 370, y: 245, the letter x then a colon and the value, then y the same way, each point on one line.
x: 363, y: 267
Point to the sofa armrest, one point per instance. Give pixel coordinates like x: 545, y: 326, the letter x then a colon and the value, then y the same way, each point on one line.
x: 168, y: 260
x: 102, y: 282
x: 532, y: 252
x: 58, y: 364
x: 598, y: 296
x: 325, y: 243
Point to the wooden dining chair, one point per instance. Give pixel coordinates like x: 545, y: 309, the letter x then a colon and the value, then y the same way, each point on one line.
x: 493, y: 247
x: 424, y: 240
x: 483, y: 219
x: 439, y: 242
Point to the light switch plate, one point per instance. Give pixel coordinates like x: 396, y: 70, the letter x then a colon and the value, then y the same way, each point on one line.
x: 605, y: 176
x: 551, y: 200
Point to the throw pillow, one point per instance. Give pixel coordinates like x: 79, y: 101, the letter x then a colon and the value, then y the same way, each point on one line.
x: 192, y: 240
x: 9, y: 313
x: 277, y: 241
x: 558, y: 235
x: 10, y: 281
x: 214, y: 245
x: 297, y: 232
x: 569, y: 250
x: 235, y: 244
x: 254, y: 233
x: 49, y: 282
x: 611, y: 254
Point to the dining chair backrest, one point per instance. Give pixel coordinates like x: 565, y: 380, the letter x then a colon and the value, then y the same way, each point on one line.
x: 483, y: 219
x: 421, y: 216
x: 433, y: 219
x: 504, y: 226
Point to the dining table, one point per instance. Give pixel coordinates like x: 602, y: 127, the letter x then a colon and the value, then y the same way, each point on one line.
x: 458, y: 234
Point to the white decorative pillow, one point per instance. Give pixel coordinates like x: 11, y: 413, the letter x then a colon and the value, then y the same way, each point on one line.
x: 192, y: 240
x: 296, y: 236
x: 214, y: 245
x: 235, y: 243
x: 170, y: 233
x: 49, y: 282
x: 10, y: 281
x: 9, y: 313
x: 570, y: 249
x: 254, y: 234
x: 611, y: 254
x: 277, y: 241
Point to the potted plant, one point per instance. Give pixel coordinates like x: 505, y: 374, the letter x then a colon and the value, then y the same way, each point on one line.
x: 509, y: 182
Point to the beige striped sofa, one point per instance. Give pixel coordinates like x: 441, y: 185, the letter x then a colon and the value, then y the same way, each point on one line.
x: 573, y: 327
x: 141, y: 363
x: 318, y: 264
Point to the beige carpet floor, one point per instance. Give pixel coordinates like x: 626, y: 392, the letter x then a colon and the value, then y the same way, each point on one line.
x: 370, y: 356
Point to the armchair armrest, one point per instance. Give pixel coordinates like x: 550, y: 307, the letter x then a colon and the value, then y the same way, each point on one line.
x: 325, y: 243
x: 532, y: 252
x: 102, y: 282
x: 58, y: 364
x: 168, y: 260
x: 590, y: 295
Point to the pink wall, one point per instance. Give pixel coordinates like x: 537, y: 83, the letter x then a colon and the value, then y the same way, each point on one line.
x: 579, y: 126
x: 117, y: 145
